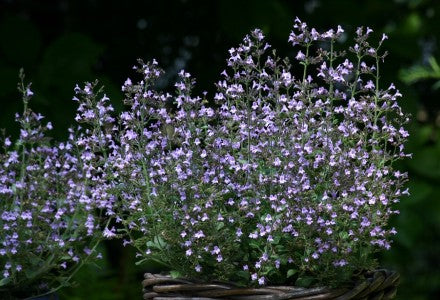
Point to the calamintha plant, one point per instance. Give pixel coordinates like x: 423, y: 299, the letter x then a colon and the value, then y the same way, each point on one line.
x: 53, y: 206
x: 286, y: 176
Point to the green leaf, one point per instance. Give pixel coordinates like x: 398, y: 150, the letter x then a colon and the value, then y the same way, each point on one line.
x: 291, y: 272
x: 254, y: 244
x: 419, y: 72
x: 40, y: 268
x: 276, y: 239
x: 305, y: 281
x: 35, y: 260
x: 157, y: 243
x: 63, y: 280
x: 159, y: 240
x: 434, y: 65
x: 245, y: 257
x: 31, y: 274
x: 140, y: 262
x: 5, y: 281
x: 175, y: 274
x: 151, y: 244
x: 343, y: 235
x: 267, y: 271
x: 243, y: 274
x: 220, y: 225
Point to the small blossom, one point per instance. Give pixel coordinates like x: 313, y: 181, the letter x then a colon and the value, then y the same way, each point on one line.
x: 300, y: 56
x: 199, y: 234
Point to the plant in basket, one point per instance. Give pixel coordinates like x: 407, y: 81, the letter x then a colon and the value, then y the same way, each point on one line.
x: 53, y: 206
x: 282, y: 183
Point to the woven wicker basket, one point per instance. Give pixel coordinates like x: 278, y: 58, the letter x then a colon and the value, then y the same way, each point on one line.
x: 380, y: 284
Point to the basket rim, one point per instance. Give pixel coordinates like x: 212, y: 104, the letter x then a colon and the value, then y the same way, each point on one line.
x: 380, y: 282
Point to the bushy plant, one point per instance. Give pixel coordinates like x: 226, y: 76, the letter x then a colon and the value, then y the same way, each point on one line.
x: 53, y: 202
x: 280, y: 179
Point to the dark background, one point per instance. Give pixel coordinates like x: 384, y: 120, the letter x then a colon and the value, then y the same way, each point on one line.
x: 61, y: 43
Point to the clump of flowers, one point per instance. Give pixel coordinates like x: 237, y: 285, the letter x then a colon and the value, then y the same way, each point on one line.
x: 53, y: 202
x: 287, y: 175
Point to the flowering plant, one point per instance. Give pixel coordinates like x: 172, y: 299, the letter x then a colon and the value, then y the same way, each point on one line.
x: 283, y: 178
x: 53, y: 205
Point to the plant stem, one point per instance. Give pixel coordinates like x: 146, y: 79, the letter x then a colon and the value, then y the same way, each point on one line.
x: 83, y: 262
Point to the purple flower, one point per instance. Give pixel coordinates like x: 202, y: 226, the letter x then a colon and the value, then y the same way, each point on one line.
x: 340, y: 263
x: 109, y: 233
x: 199, y: 234
x: 216, y: 250
x: 365, y: 222
x: 300, y: 56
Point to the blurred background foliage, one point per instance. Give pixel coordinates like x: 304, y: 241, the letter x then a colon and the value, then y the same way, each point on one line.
x: 61, y: 43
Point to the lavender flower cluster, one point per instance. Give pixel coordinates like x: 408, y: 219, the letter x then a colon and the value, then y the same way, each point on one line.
x: 53, y: 200
x: 287, y: 173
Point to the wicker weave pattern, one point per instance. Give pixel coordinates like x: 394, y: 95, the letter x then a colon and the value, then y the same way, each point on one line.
x: 381, y: 284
